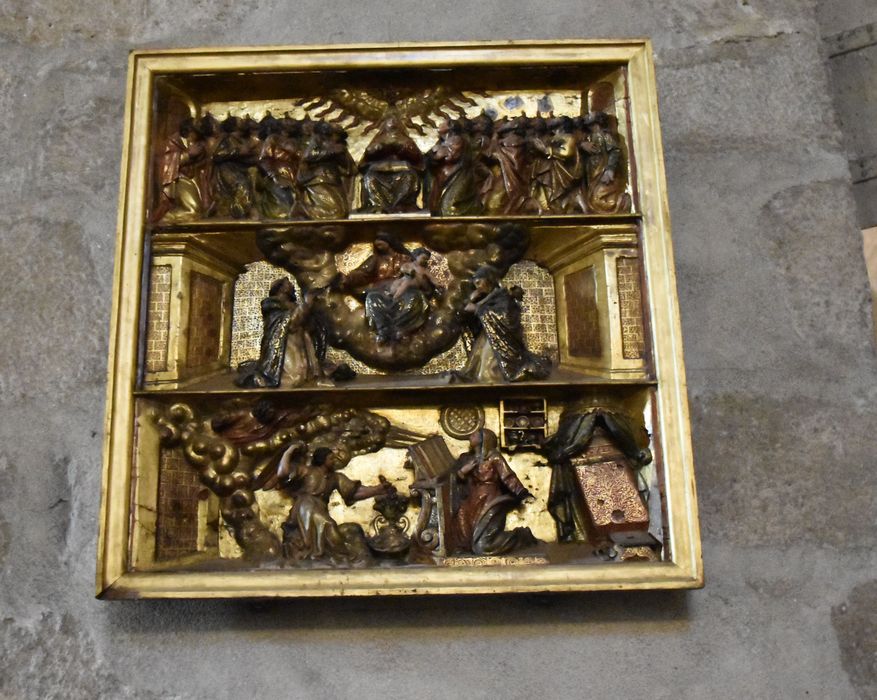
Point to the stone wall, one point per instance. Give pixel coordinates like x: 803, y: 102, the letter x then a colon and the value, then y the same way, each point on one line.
x: 781, y: 369
x: 849, y: 30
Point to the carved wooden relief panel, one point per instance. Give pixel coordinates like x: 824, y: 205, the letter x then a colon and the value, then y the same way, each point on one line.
x: 405, y: 323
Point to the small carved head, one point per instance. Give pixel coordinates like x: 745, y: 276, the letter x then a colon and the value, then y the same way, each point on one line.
x: 283, y: 288
x: 594, y: 121
x: 421, y: 256
x: 323, y: 457
x: 485, y: 278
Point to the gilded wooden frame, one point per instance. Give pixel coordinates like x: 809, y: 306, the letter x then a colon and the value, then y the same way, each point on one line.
x: 114, y: 580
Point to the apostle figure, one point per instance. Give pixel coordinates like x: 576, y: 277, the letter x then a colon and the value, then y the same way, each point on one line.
x: 278, y: 161
x: 325, y: 177
x: 565, y: 169
x: 179, y: 176
x: 392, y: 170
x: 453, y: 190
x: 287, y: 354
x: 233, y: 155
x: 498, y: 352
x: 209, y: 129
x: 540, y: 165
x: 481, y: 137
x: 491, y: 490
x: 508, y: 190
x: 605, y: 171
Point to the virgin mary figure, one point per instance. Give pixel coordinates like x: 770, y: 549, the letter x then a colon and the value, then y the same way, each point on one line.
x: 403, y: 307
x: 492, y: 490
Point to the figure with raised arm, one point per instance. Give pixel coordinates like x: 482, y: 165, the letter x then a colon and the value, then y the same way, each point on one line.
x: 287, y: 356
x: 309, y: 531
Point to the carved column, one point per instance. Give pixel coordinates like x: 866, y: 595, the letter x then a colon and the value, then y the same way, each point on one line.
x: 598, y: 291
x: 188, y: 315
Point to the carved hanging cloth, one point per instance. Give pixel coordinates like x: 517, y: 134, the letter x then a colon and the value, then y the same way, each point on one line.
x: 390, y: 186
x: 540, y: 175
x: 565, y: 500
